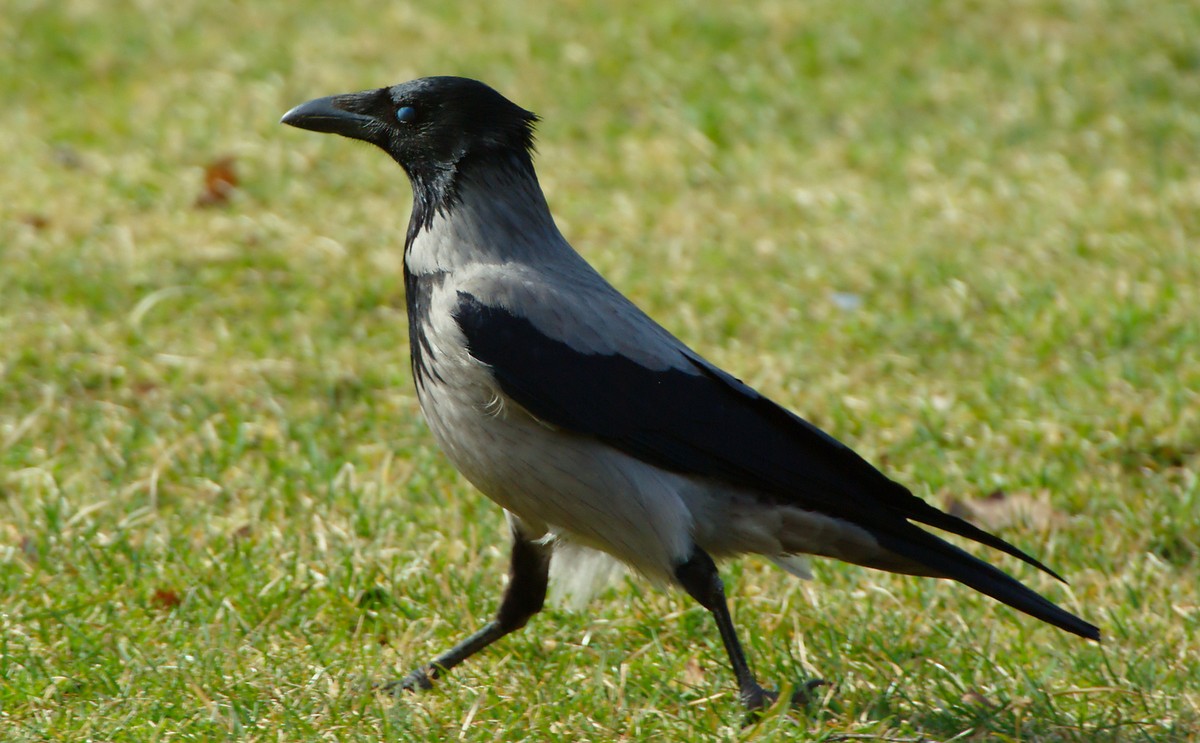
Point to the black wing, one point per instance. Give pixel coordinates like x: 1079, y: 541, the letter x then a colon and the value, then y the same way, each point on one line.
x: 702, y: 421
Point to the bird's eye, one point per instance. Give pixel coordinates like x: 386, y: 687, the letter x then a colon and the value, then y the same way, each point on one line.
x: 406, y: 114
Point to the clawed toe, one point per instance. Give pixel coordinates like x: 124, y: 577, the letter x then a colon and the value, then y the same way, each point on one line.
x: 806, y: 694
x: 418, y: 680
x: 758, y: 699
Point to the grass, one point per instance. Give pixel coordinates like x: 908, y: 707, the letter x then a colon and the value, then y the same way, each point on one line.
x: 960, y: 236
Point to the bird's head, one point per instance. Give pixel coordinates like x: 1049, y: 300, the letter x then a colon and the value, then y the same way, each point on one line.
x: 430, y: 126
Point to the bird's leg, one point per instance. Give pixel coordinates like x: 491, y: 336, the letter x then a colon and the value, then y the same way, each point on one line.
x: 528, y: 574
x: 699, y: 577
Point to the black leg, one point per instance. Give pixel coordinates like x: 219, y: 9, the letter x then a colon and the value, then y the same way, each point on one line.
x: 699, y: 577
x: 528, y: 574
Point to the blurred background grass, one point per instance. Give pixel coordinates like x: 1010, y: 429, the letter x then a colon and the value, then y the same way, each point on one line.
x: 960, y: 236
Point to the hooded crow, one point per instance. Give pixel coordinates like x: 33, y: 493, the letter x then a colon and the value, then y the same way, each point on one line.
x: 591, y: 425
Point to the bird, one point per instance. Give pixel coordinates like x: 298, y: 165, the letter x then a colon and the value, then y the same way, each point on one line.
x: 591, y: 425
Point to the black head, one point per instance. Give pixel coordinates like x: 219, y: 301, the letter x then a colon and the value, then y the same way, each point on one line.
x: 430, y: 126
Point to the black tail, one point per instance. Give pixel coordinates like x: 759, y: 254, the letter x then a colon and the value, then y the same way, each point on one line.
x: 950, y: 561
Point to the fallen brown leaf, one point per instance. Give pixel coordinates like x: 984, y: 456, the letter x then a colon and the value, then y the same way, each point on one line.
x: 219, y: 181
x: 35, y: 220
x: 165, y: 598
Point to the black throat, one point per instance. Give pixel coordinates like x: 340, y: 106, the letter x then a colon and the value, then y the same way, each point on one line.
x: 439, y: 191
x: 437, y: 187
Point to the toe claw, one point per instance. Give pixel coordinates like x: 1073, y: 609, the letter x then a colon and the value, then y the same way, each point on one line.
x: 805, y: 695
x: 758, y: 699
x: 418, y: 680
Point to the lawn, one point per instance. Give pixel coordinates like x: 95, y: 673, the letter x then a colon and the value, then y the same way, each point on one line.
x: 962, y: 237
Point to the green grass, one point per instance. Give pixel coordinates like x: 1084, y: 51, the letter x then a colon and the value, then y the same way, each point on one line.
x: 221, y: 516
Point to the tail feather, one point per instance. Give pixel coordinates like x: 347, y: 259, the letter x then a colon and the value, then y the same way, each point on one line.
x: 928, y: 514
x: 947, y: 560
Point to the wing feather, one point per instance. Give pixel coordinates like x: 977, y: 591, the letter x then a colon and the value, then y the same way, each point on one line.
x: 690, y: 417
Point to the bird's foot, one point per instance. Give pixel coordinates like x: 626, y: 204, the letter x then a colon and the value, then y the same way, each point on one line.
x: 758, y: 699
x: 419, y: 680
